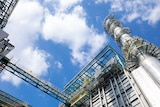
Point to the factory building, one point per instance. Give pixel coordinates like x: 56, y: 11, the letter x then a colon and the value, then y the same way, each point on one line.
x: 109, y: 80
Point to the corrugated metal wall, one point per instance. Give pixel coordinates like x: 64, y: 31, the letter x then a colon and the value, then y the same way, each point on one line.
x: 116, y: 91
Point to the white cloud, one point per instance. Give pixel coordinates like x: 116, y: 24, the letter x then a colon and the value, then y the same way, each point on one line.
x: 116, y: 5
x: 101, y: 1
x: 71, y: 29
x: 32, y: 61
x: 132, y: 16
x: 62, y: 5
x: 58, y: 65
x: 7, y: 76
x: 59, y: 23
x: 35, y: 60
x: 146, y: 10
x: 25, y: 24
x: 154, y: 15
x: 68, y: 3
x: 24, y: 27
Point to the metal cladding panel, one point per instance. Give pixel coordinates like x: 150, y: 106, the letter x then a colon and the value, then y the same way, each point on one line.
x: 147, y: 85
x: 3, y: 35
x: 116, y: 91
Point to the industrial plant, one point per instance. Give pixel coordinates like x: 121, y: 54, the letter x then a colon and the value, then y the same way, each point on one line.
x: 109, y: 80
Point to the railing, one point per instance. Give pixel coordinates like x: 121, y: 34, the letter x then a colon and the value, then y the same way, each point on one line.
x: 43, y: 86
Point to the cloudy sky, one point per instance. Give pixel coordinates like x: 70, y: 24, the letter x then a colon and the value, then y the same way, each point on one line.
x: 54, y: 39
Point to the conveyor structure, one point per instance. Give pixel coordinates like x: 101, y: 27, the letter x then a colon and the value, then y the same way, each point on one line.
x: 6, y: 64
x: 29, y: 78
x: 6, y: 8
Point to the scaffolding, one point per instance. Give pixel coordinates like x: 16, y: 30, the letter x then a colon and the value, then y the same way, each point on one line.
x: 91, y: 69
x: 80, y: 86
x: 6, y: 8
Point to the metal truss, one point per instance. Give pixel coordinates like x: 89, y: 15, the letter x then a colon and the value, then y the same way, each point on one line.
x: 90, y: 71
x: 6, y: 8
x: 43, y: 86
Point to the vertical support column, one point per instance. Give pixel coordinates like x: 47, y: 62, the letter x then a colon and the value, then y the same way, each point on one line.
x: 104, y: 97
x: 99, y: 93
x: 114, y: 92
x: 124, y: 90
x: 136, y: 89
x: 90, y: 100
x: 119, y: 92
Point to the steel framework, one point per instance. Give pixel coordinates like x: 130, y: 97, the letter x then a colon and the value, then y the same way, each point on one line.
x: 42, y: 85
x: 104, y: 83
x: 6, y: 8
x: 79, y: 87
x: 89, y: 71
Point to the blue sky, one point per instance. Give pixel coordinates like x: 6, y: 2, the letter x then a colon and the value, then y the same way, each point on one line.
x: 54, y: 39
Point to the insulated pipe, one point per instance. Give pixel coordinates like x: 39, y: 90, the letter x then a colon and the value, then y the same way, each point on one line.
x: 141, y: 60
x: 152, y: 66
x: 148, y: 86
x: 134, y: 49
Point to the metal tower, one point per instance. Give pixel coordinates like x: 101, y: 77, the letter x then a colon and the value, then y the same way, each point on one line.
x: 141, y: 57
x: 6, y: 8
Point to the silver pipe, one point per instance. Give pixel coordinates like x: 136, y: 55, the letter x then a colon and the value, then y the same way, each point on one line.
x: 104, y: 97
x: 99, y: 93
x: 152, y: 66
x: 141, y: 60
x: 91, y: 100
x: 148, y: 86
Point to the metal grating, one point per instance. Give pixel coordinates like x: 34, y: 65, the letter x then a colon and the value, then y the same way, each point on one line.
x: 89, y: 71
x: 42, y: 85
x: 6, y: 8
